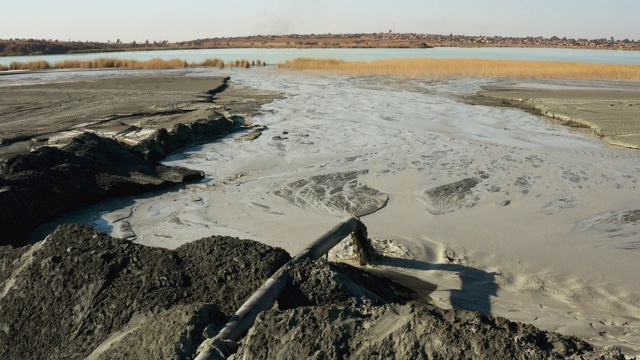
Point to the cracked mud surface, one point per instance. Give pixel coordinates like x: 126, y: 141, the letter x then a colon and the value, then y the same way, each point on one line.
x: 37, y: 111
x: 450, y: 197
x: 338, y: 193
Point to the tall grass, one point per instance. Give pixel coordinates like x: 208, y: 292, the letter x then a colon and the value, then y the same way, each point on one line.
x: 442, y: 68
x: 243, y: 63
x: 114, y: 63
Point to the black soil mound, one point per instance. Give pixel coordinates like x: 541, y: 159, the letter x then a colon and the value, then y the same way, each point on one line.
x: 64, y: 297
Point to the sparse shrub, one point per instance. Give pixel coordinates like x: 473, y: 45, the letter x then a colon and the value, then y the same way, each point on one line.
x: 211, y: 63
x: 14, y: 65
x: 38, y: 65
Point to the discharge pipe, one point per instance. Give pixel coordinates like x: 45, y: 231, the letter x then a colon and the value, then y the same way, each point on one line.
x: 225, y: 343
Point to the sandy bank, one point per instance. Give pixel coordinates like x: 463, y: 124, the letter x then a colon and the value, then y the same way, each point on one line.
x: 612, y: 113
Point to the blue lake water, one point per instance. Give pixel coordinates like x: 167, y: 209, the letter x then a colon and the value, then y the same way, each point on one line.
x: 273, y: 56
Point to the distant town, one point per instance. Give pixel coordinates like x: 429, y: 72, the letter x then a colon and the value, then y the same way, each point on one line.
x: 23, y: 47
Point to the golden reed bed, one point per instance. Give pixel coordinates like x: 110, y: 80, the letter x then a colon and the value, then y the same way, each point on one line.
x: 113, y: 63
x: 423, y: 68
x: 441, y: 68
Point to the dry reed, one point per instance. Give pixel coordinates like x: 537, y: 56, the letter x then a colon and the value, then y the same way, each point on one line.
x: 113, y: 63
x: 210, y: 63
x: 442, y: 68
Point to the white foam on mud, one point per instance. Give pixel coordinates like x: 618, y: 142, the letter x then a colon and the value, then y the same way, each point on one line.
x: 519, y: 249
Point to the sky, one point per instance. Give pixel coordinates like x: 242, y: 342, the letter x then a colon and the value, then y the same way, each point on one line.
x: 175, y: 20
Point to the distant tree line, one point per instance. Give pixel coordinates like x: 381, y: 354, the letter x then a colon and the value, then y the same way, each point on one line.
x: 24, y: 47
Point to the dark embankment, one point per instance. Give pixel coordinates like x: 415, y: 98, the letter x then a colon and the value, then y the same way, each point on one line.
x: 163, y: 142
x: 156, y: 115
x: 39, y: 186
x: 82, y: 294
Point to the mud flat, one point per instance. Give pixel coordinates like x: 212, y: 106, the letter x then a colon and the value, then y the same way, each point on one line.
x: 337, y: 194
x: 129, y: 108
x: 506, y: 213
x: 611, y: 111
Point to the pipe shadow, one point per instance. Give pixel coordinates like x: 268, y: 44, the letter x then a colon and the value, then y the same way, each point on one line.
x: 478, y: 286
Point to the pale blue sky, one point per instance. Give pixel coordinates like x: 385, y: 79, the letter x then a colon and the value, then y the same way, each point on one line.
x: 177, y: 20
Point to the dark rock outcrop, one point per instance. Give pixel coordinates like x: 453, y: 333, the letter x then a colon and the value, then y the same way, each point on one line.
x: 405, y: 331
x: 64, y: 297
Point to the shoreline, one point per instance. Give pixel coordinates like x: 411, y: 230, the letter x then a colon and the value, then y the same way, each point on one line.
x: 25, y: 72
